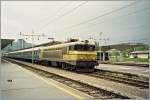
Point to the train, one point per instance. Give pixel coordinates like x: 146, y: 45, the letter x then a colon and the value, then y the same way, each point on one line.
x: 78, y: 56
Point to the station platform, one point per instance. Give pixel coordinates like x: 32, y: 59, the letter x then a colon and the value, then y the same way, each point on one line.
x: 115, y: 87
x: 140, y: 71
x: 18, y: 83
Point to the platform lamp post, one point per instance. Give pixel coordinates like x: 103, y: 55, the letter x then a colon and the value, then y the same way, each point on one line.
x: 32, y: 35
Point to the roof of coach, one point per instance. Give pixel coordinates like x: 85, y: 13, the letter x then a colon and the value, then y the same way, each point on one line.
x: 63, y: 45
x: 66, y: 44
x: 51, y: 47
x: 25, y: 50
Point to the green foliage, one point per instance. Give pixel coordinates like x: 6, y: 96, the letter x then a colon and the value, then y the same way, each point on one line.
x: 137, y: 59
x: 140, y: 48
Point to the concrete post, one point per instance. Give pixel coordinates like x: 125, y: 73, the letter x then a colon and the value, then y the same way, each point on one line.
x: 103, y: 56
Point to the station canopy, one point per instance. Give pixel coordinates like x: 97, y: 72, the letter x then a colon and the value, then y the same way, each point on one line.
x: 5, y: 42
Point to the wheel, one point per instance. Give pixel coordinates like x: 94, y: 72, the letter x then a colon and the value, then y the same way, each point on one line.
x: 63, y: 66
x: 72, y: 67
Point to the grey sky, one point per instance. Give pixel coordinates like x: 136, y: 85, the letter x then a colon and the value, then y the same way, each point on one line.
x: 54, y: 19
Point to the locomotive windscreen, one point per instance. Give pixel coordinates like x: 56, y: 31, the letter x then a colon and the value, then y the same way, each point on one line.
x: 81, y: 47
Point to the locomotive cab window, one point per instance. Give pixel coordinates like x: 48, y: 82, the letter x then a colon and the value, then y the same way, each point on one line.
x: 85, y: 47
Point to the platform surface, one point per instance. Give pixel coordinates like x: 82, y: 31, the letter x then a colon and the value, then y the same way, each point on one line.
x: 115, y: 87
x: 142, y: 71
x: 26, y: 85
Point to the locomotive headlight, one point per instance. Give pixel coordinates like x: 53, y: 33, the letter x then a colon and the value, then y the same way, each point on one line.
x: 93, y: 58
x: 81, y: 57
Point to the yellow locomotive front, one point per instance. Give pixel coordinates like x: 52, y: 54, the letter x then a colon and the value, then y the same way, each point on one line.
x: 78, y: 56
x: 81, y: 57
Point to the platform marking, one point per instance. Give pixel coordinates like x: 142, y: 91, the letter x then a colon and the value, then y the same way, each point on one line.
x: 48, y: 82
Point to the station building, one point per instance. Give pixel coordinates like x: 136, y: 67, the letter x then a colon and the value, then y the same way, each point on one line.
x: 140, y: 54
x: 117, y: 52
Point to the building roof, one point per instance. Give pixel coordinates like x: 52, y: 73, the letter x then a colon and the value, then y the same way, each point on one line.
x: 140, y: 52
x: 5, y: 42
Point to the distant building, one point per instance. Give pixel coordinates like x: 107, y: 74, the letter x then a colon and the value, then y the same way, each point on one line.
x: 110, y: 55
x: 115, y: 55
x: 21, y: 43
x: 140, y: 54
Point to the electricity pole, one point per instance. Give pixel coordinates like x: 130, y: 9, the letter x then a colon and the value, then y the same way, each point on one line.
x: 99, y: 44
x: 32, y: 35
x: 100, y: 38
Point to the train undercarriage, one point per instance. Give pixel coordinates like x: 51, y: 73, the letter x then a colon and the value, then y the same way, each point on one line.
x: 78, y: 66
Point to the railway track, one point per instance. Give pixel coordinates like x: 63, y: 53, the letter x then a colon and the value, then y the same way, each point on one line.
x: 121, y: 78
x: 95, y: 92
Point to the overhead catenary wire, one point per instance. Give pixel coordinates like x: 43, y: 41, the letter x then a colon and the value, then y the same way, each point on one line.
x: 57, y: 12
x: 103, y: 15
x: 112, y: 19
x: 64, y: 14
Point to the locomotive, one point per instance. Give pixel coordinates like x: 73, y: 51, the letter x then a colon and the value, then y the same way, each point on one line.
x: 77, y: 56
